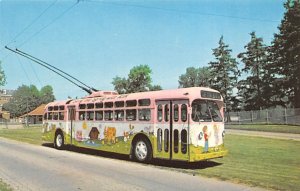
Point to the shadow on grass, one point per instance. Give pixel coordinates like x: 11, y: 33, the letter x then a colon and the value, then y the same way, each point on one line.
x: 155, y: 162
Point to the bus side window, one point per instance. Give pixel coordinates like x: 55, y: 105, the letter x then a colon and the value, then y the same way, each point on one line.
x: 159, y: 140
x: 131, y: 114
x: 166, y: 140
x: 144, y: 114
x: 108, y: 115
x: 81, y: 115
x: 159, y: 112
x: 99, y: 115
x: 90, y: 115
x: 167, y: 113
x: 45, y: 116
x: 55, y: 116
x: 183, y: 113
x: 119, y: 115
x: 176, y: 113
x: 184, y: 141
x: 50, y: 115
x: 61, y: 116
x: 176, y: 140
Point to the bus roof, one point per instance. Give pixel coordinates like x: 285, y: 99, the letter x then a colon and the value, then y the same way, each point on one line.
x: 174, y: 94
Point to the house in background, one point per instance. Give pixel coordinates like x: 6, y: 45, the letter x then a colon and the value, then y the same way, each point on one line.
x: 35, y: 116
x: 5, y: 96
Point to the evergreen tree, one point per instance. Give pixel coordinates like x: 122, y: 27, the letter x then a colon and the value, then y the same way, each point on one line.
x: 224, y: 73
x: 251, y: 89
x: 284, y: 67
x: 195, y: 77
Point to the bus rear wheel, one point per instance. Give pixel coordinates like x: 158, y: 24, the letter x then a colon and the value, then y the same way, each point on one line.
x: 59, y: 140
x: 142, y: 150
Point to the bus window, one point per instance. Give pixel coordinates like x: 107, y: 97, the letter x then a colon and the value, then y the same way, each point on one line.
x: 55, y: 108
x: 176, y: 113
x: 144, y: 102
x: 90, y: 106
x: 159, y: 112
x: 55, y: 116
x: 61, y: 107
x: 50, y: 116
x: 90, y: 115
x: 131, y: 103
x: 82, y: 106
x: 119, y: 104
x: 183, y: 113
x: 99, y: 115
x: 159, y: 140
x: 81, y: 115
x: 108, y: 115
x: 176, y: 140
x: 99, y: 105
x: 50, y: 108
x: 184, y: 141
x: 108, y: 104
x: 201, y: 111
x: 119, y: 115
x: 166, y: 140
x: 144, y: 114
x: 215, y: 111
x: 45, y: 116
x: 131, y: 114
x: 61, y: 116
x: 167, y: 113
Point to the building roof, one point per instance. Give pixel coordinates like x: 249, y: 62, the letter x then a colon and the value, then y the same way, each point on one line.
x: 37, y: 111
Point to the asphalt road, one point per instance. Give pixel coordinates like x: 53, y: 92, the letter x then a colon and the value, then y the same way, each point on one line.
x: 30, y: 167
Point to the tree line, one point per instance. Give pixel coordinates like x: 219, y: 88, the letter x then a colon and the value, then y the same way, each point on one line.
x: 269, y: 75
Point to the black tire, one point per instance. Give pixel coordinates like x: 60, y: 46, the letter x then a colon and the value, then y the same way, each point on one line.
x: 142, y: 150
x: 59, y: 140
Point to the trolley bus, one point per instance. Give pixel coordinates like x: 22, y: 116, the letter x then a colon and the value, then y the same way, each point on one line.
x: 184, y: 124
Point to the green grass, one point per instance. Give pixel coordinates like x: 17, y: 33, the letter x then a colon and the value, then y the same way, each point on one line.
x: 267, y: 128
x: 4, y: 186
x: 32, y: 135
x: 255, y: 161
x: 261, y: 162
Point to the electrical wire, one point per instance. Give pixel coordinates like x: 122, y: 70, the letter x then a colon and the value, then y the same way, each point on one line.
x: 33, y: 22
x: 182, y: 11
x: 50, y: 23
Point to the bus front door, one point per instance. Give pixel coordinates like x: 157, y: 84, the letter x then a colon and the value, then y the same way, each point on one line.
x: 70, y: 122
x: 172, y: 130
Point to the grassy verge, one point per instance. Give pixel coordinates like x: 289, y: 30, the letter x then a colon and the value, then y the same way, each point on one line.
x: 267, y: 128
x: 4, y: 186
x: 29, y: 135
x: 261, y: 162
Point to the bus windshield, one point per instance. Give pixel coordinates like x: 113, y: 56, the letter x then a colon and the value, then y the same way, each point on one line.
x: 205, y: 111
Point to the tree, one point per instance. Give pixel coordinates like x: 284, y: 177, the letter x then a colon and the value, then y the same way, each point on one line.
x: 251, y: 89
x: 27, y: 98
x: 224, y: 73
x: 195, y: 77
x: 46, y: 94
x: 2, y: 76
x: 139, y: 80
x: 284, y: 67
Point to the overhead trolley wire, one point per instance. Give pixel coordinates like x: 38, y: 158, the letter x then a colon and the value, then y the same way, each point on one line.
x: 180, y: 11
x: 50, y: 23
x: 32, y: 22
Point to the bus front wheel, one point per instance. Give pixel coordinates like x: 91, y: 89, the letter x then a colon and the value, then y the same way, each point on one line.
x: 59, y: 140
x: 142, y: 150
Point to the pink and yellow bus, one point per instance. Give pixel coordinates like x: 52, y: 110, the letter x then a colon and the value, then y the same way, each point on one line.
x: 182, y: 124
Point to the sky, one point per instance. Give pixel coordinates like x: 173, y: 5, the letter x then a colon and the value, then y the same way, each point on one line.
x: 96, y: 40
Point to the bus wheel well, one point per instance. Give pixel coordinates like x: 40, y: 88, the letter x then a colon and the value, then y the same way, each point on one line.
x: 58, y: 131
x: 145, y: 139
